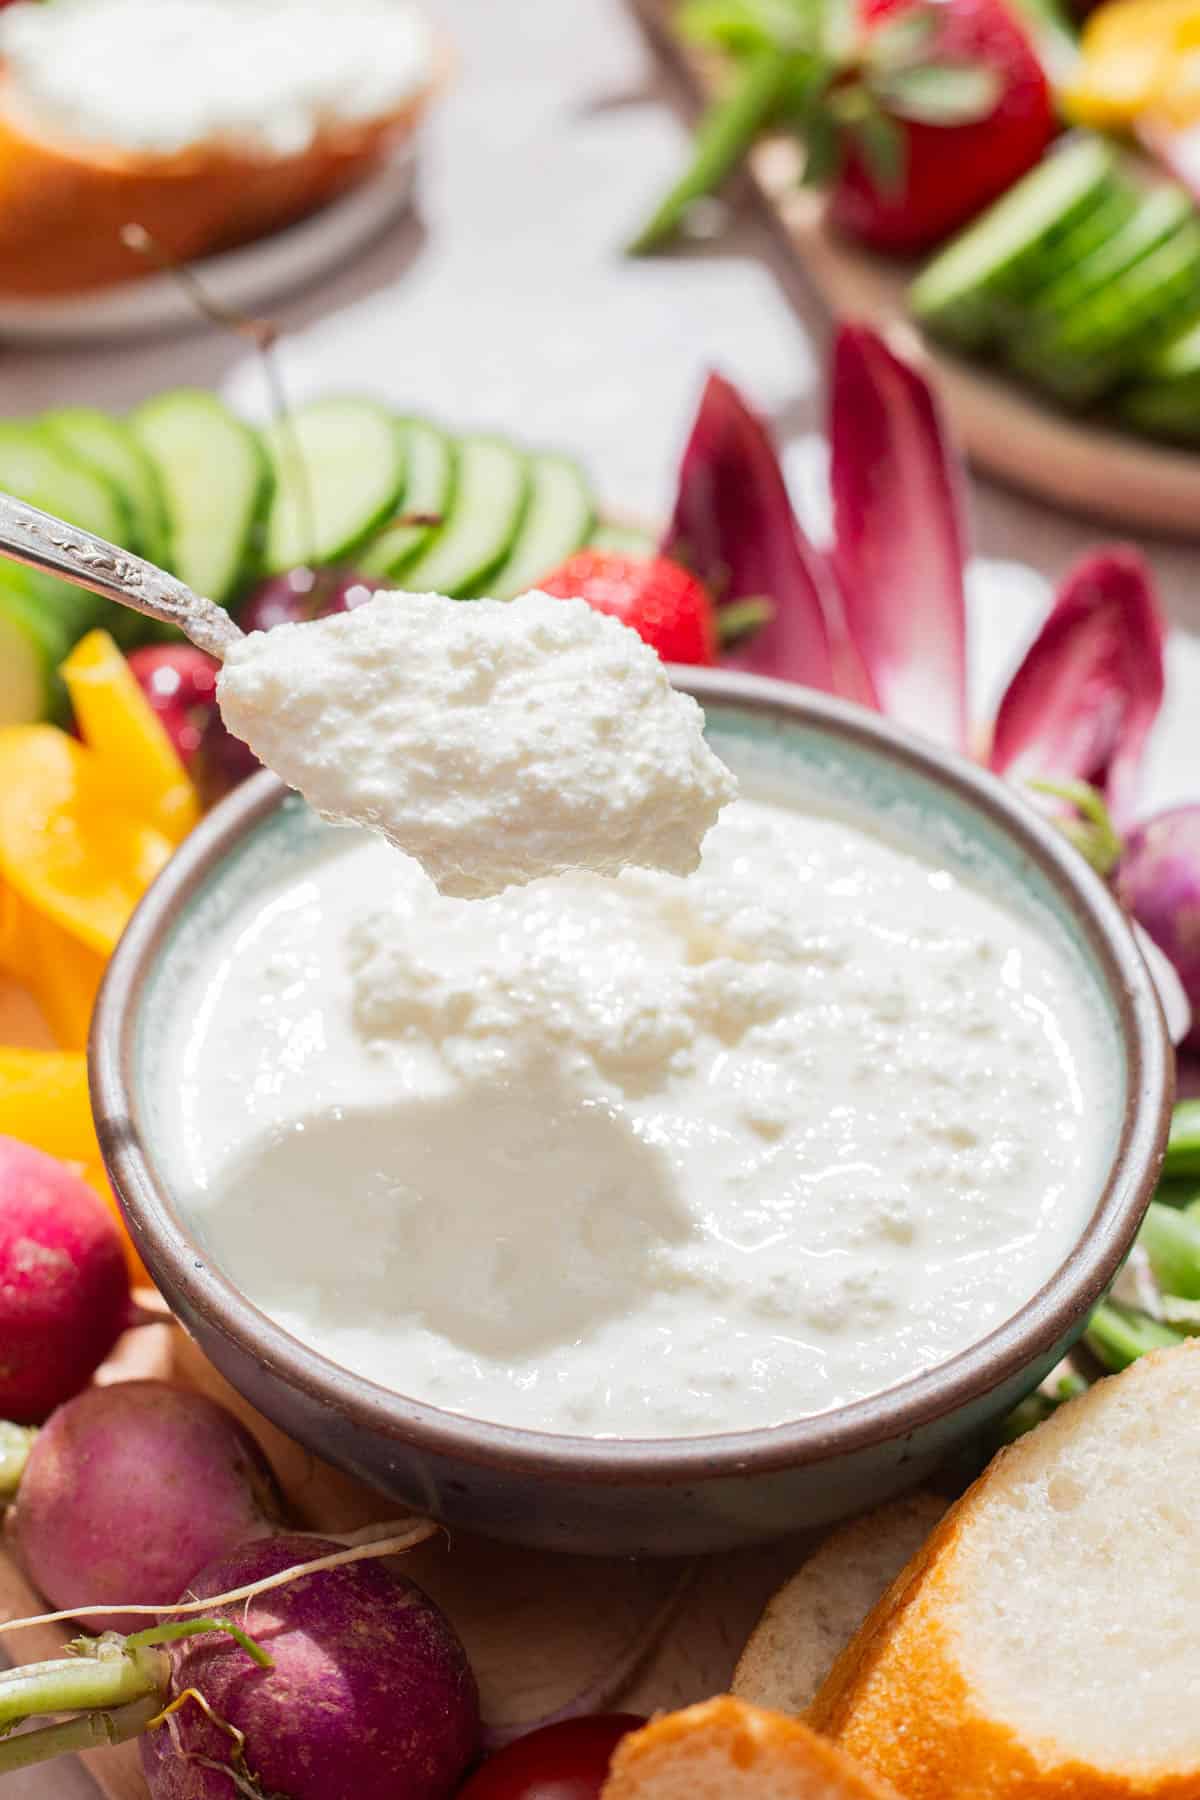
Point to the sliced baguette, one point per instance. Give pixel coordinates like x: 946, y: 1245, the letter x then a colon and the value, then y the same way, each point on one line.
x: 812, y: 1618
x: 63, y: 205
x: 724, y: 1749
x: 1046, y: 1641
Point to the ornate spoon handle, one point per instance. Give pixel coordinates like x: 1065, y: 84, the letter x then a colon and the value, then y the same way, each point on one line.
x: 43, y: 542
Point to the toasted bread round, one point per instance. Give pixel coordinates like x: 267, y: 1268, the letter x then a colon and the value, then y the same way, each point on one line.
x: 63, y: 205
x: 812, y: 1618
x: 1045, y: 1643
x: 725, y: 1749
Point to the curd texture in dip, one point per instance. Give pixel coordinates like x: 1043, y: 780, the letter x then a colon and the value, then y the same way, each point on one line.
x: 644, y: 1156
x: 495, y: 741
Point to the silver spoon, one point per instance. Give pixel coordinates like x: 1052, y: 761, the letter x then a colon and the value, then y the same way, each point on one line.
x: 41, y: 541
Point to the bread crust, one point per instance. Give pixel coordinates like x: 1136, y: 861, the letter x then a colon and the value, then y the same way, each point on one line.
x: 898, y: 1699
x: 786, y: 1760
x: 63, y: 204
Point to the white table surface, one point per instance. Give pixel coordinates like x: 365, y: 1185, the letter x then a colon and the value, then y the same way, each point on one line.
x: 504, y: 302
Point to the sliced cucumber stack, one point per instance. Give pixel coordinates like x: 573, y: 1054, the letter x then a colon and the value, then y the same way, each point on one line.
x: 34, y: 641
x: 1166, y: 402
x: 428, y: 488
x: 968, y: 288
x: 36, y: 469
x: 1087, y: 353
x: 339, y: 475
x: 216, y: 480
x: 1152, y: 220
x: 557, y: 521
x: 490, y: 498
x: 109, y: 447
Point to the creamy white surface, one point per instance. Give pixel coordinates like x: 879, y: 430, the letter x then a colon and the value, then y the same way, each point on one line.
x: 495, y: 741
x: 163, y: 75
x: 644, y: 1156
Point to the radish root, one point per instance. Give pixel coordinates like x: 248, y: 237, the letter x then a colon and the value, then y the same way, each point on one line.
x: 416, y: 1533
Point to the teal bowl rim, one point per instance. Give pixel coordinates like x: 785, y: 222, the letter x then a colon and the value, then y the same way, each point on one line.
x: 1034, y: 1332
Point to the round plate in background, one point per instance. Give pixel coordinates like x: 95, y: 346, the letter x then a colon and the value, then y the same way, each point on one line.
x: 239, y: 279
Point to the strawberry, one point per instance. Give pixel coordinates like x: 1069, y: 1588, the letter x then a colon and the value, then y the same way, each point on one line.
x: 668, y: 607
x: 914, y: 113
x: 947, y: 169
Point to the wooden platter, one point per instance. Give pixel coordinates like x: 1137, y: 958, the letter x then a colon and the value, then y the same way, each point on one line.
x: 1075, y: 463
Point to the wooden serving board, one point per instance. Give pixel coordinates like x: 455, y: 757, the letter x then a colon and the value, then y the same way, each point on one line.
x: 1079, y: 464
x: 539, y: 1629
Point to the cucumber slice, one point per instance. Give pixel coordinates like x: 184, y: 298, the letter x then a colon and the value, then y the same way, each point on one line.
x: 557, y: 521
x: 36, y: 469
x: 339, y: 474
x: 1086, y: 354
x: 1179, y: 358
x: 114, y: 452
x: 33, y: 642
x: 1004, y: 251
x: 216, y: 481
x: 622, y: 540
x: 428, y: 488
x: 489, y: 503
x: 1157, y: 216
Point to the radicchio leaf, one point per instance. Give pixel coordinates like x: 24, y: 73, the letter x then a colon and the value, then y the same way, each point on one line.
x: 1083, y: 701
x: 1158, y: 880
x: 734, y: 527
x: 898, y: 536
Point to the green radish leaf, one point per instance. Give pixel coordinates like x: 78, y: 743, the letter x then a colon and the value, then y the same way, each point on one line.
x: 939, y: 93
x: 823, y: 149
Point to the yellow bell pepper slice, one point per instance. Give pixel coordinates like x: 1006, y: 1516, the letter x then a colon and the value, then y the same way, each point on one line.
x: 69, y: 846
x: 118, y: 723
x: 44, y: 1101
x: 63, y: 976
x: 1134, y: 61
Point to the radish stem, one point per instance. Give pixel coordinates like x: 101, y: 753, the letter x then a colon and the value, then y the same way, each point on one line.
x: 92, y: 1731
x: 172, y: 1632
x: 16, y: 1441
x: 84, y: 1683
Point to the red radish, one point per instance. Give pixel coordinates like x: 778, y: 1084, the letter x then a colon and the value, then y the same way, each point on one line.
x: 370, y: 1696
x: 1158, y: 880
x: 668, y: 608
x: 304, y: 593
x: 180, y: 682
x: 129, y: 1489
x: 64, y: 1285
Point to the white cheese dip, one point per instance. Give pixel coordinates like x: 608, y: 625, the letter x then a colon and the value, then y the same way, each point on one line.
x: 495, y: 741
x: 643, y: 1156
x: 163, y: 76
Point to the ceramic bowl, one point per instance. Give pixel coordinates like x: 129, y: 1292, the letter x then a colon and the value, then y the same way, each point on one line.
x: 677, y: 1496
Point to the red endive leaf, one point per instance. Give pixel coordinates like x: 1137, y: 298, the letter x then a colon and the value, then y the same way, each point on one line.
x: 898, y: 535
x: 1088, y: 691
x: 734, y: 527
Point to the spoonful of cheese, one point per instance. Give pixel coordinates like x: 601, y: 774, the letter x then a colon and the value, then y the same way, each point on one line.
x: 495, y: 741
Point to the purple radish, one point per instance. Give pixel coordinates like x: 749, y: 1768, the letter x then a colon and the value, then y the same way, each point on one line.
x: 370, y: 1696
x: 1158, y: 881
x: 64, y: 1288
x: 129, y: 1490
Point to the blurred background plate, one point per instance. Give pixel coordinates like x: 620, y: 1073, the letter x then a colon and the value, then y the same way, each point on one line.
x: 239, y: 279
